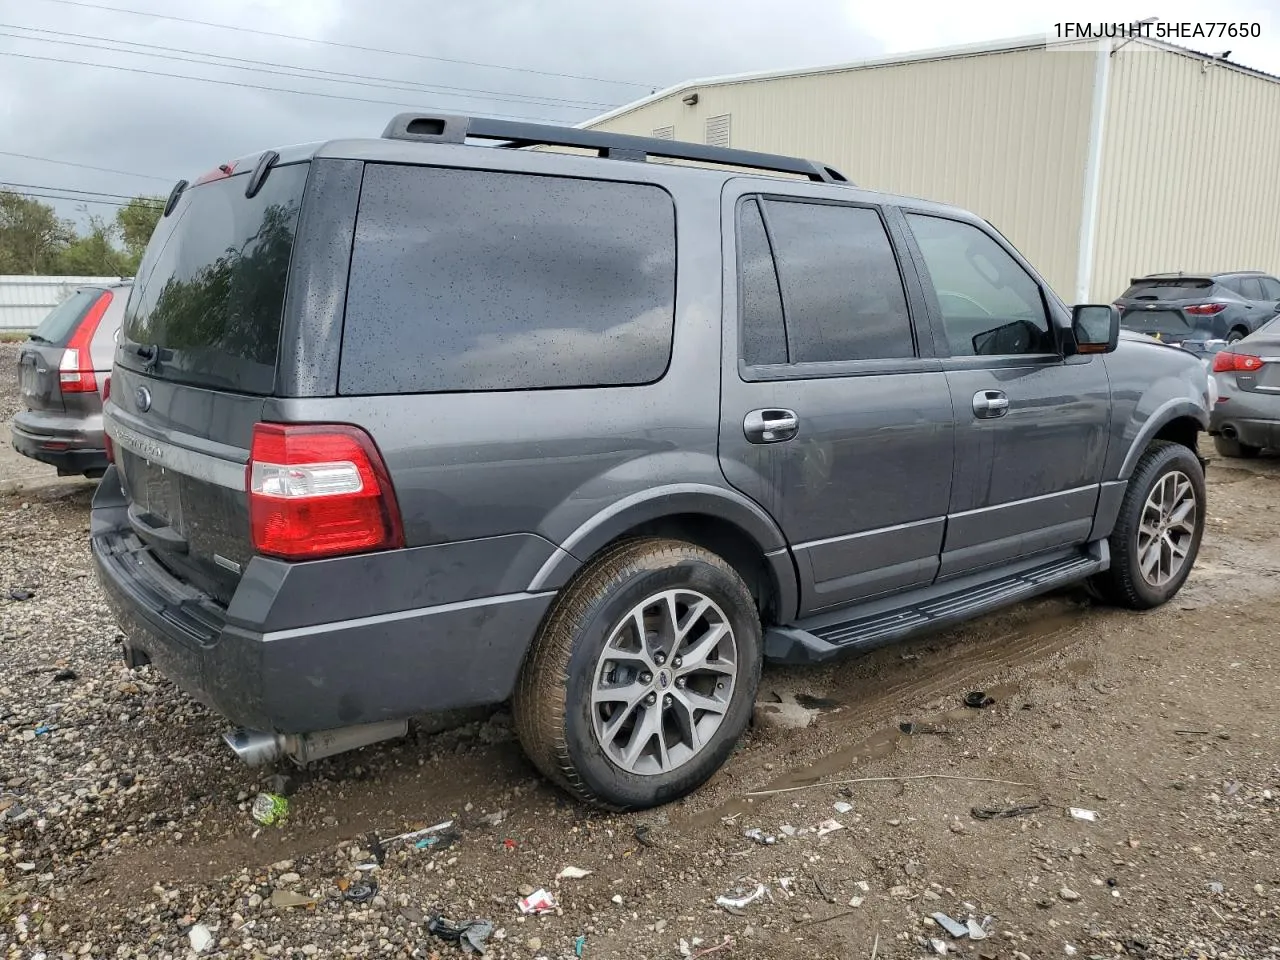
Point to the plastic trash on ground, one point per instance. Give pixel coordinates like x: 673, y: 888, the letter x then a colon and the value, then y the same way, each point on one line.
x: 740, y: 902
x: 1080, y: 813
x: 471, y: 936
x: 842, y: 806
x: 269, y: 809
x: 759, y: 836
x: 572, y: 873
x: 829, y: 826
x: 200, y: 937
x: 538, y: 902
x: 953, y: 927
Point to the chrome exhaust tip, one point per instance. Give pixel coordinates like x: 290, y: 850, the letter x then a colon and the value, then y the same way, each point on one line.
x: 254, y: 748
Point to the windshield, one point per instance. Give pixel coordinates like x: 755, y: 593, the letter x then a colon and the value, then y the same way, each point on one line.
x: 62, y: 320
x: 207, y: 303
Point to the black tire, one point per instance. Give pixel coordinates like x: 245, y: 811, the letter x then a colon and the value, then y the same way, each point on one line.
x: 551, y: 705
x: 1124, y: 584
x: 1236, y: 334
x: 1230, y: 447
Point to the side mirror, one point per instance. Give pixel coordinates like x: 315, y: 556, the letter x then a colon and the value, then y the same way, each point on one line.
x: 1096, y: 327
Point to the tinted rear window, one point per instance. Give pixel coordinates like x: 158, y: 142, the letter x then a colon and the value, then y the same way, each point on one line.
x: 62, y: 320
x: 210, y: 290
x: 1173, y: 289
x: 469, y: 280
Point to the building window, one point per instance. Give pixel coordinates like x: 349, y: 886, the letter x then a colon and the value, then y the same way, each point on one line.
x: 718, y: 131
x: 664, y: 133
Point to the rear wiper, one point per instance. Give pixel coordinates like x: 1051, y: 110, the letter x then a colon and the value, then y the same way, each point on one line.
x: 149, y: 353
x: 36, y: 338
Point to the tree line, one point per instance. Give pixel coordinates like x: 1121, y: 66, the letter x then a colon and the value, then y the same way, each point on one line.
x: 34, y: 240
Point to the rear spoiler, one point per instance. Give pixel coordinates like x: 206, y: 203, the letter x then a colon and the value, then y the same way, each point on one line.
x: 1171, y: 278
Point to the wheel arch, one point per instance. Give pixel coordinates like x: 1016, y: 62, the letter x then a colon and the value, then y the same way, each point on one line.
x: 723, y: 521
x: 1180, y: 420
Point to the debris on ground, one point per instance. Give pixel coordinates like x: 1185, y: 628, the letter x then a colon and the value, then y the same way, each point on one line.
x: 415, y: 834
x: 829, y: 826
x: 1080, y: 813
x: 1069, y: 895
x: 579, y: 945
x: 361, y: 892
x: 200, y: 937
x: 494, y: 819
x: 911, y: 729
x: 572, y: 873
x: 642, y: 835
x: 284, y: 899
x: 842, y: 806
x: 742, y: 900
x: 977, y: 699
x: 976, y: 930
x: 938, y: 946
x: 65, y: 674
x: 759, y: 836
x: 953, y: 927
x: 20, y: 595
x: 471, y: 936
x: 1001, y: 813
x: 436, y: 842
x: 269, y: 809
x: 540, y: 901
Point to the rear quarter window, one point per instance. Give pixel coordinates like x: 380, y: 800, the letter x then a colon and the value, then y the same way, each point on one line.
x: 465, y: 280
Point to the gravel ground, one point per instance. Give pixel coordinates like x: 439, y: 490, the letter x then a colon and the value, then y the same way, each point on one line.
x: 125, y: 828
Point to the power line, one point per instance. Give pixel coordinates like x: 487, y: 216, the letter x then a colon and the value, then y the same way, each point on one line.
x: 96, y: 193
x: 347, y: 46
x: 51, y: 196
x: 87, y: 166
x: 385, y: 83
x: 247, y: 86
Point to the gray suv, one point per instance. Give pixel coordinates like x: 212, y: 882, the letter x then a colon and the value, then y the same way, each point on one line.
x: 447, y: 418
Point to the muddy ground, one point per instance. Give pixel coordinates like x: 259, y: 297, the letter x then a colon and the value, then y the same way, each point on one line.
x: 125, y: 828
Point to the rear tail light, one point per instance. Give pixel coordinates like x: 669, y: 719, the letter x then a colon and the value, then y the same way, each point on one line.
x: 319, y: 490
x: 75, y: 370
x: 106, y: 438
x: 1205, y: 309
x: 1225, y: 362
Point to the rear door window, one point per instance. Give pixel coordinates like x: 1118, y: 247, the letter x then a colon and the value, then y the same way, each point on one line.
x: 61, y: 322
x: 1251, y: 288
x: 210, y: 291
x: 469, y: 280
x: 842, y: 293
x: 764, y: 334
x: 1270, y: 288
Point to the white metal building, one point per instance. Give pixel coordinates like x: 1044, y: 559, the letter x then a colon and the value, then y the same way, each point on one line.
x: 1099, y: 164
x: 24, y: 301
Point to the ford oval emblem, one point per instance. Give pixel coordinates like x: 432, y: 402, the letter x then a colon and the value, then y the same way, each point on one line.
x: 143, y: 396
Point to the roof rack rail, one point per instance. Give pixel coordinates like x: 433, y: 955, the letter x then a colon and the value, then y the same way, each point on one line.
x: 448, y: 128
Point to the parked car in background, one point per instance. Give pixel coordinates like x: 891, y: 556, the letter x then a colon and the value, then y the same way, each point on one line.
x: 414, y: 424
x: 1199, y: 312
x: 1246, y: 418
x: 62, y: 371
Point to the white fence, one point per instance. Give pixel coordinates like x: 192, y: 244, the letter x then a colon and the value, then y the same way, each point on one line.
x: 24, y: 301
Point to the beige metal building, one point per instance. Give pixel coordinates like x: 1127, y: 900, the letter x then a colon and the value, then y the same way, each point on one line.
x: 1099, y: 163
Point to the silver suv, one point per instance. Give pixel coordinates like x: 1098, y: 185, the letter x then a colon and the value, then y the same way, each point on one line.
x: 421, y: 422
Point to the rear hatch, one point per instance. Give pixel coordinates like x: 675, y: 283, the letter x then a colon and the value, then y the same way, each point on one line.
x: 55, y: 366
x: 195, y: 361
x: 1254, y: 361
x: 1171, y: 309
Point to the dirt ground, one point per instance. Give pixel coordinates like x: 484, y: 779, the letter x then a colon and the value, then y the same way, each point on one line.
x: 125, y: 828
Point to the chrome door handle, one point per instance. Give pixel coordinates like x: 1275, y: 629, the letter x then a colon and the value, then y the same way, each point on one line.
x: 990, y: 403
x: 770, y: 426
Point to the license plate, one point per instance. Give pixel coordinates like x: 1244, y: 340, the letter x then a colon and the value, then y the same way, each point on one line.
x: 155, y: 491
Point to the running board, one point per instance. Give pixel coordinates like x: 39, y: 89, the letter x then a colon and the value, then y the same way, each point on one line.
x: 879, y: 622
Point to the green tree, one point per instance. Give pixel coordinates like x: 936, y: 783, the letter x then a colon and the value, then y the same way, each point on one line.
x: 136, y: 222
x: 94, y: 254
x: 32, y: 237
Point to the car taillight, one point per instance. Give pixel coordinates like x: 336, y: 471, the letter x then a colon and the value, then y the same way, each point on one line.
x: 1225, y: 362
x: 106, y: 438
x: 75, y: 370
x: 1205, y: 309
x: 319, y: 490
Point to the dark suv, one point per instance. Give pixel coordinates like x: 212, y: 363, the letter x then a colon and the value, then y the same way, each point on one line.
x: 1200, y: 311
x: 416, y: 423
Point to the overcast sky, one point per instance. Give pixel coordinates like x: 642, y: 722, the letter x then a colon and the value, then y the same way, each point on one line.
x: 170, y: 127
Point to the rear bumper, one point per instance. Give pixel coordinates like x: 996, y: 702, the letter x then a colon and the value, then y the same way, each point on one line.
x: 72, y: 445
x: 1253, y: 418
x: 302, y: 679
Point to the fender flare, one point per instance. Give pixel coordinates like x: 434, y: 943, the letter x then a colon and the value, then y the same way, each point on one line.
x: 1164, y: 414
x: 665, y: 501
